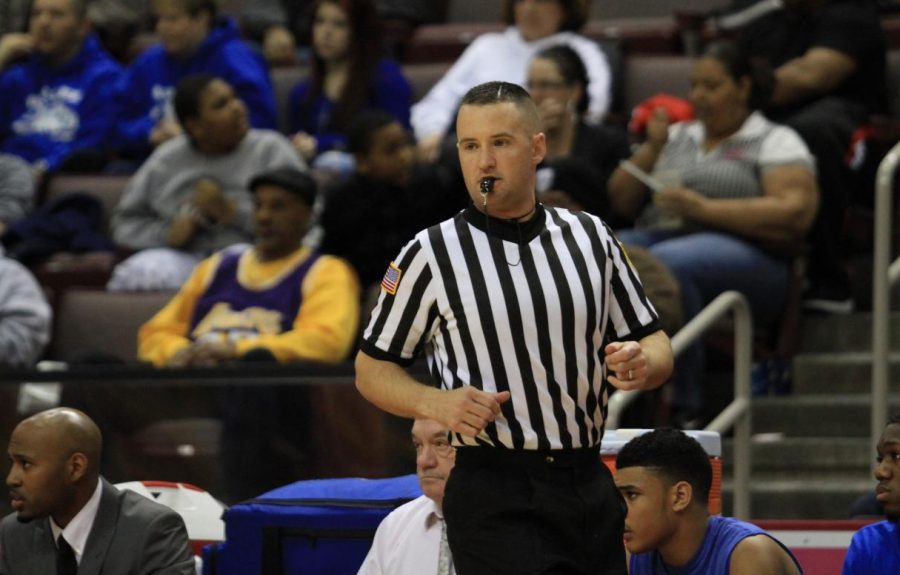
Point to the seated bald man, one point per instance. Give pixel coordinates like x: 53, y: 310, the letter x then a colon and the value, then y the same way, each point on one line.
x: 67, y: 519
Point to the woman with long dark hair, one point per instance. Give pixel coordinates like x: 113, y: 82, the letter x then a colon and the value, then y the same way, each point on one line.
x: 348, y: 75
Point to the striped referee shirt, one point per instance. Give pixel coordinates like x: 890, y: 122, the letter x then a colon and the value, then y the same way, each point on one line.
x: 526, y: 308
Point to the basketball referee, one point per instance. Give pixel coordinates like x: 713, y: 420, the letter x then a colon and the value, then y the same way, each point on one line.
x: 528, y: 316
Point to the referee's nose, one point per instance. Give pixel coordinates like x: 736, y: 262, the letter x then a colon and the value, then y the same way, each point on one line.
x: 486, y: 159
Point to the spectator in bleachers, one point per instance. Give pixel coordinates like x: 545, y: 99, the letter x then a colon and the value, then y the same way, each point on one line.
x: 15, y: 42
x: 665, y: 478
x: 25, y: 315
x: 413, y: 11
x: 56, y: 108
x: 348, y: 75
x: 190, y: 197
x: 195, y: 39
x: 16, y: 190
x: 14, y: 16
x: 534, y: 25
x: 118, y: 23
x: 876, y: 548
x: 746, y: 199
x: 581, y: 156
x: 829, y: 60
x: 277, y: 297
x: 275, y: 301
x: 278, y: 26
x: 370, y: 216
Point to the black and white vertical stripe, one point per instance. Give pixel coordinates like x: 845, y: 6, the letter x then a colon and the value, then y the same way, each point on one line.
x: 525, y: 309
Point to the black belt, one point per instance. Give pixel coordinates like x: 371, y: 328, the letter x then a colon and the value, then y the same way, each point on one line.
x: 498, y: 456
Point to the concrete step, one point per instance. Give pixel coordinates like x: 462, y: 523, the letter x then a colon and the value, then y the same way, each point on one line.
x: 822, y: 416
x: 774, y: 453
x: 842, y: 333
x: 801, y: 495
x: 846, y: 372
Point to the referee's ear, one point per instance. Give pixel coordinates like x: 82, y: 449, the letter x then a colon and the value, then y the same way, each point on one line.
x: 538, y: 148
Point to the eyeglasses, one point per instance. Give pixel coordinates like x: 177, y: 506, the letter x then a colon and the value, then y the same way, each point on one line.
x: 442, y: 448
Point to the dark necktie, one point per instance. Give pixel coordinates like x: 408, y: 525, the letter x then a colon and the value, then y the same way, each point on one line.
x: 65, y: 558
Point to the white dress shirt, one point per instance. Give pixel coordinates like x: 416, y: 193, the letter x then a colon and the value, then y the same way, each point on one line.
x: 505, y: 56
x: 407, y: 542
x: 78, y: 529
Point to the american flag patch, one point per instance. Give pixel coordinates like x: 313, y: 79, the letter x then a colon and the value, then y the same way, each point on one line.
x: 391, y: 279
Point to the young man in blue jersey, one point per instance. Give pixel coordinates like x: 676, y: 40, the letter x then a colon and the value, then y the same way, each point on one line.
x: 875, y: 549
x: 57, y: 108
x: 665, y: 477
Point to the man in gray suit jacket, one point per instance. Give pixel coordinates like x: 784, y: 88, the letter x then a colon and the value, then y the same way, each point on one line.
x: 68, y: 519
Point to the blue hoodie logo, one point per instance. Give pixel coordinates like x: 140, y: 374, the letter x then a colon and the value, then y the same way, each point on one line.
x: 162, y: 102
x: 51, y: 112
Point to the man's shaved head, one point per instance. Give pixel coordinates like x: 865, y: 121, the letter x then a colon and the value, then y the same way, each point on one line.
x: 55, y: 457
x: 68, y: 431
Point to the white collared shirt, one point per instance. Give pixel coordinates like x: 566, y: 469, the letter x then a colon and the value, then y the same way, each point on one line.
x: 407, y: 542
x: 78, y: 529
x: 505, y: 56
x: 779, y: 144
x: 731, y: 170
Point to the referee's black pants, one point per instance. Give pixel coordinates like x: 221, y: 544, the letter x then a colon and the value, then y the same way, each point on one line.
x: 522, y: 512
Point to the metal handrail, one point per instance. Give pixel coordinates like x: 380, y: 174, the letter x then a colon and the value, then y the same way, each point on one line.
x: 737, y: 413
x: 884, y: 274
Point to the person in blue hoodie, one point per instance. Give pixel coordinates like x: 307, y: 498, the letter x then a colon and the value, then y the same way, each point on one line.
x: 56, y: 108
x: 347, y: 76
x: 194, y: 39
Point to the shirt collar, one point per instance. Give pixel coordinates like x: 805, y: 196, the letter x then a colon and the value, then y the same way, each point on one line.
x: 78, y: 529
x: 753, y: 126
x: 436, y: 515
x: 509, y: 230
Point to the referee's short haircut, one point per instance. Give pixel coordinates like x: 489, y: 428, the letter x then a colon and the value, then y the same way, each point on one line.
x: 674, y: 456
x: 504, y: 92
